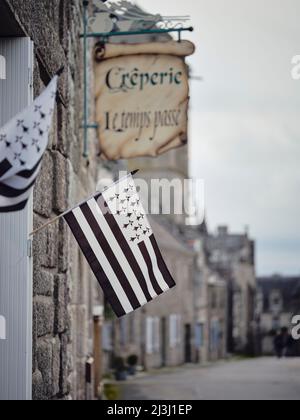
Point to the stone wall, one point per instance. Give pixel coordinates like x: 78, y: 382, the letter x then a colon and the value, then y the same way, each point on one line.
x: 64, y: 288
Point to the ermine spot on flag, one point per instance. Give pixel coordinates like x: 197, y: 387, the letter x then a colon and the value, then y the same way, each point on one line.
x: 23, y: 141
x: 5, y: 166
x: 116, y: 238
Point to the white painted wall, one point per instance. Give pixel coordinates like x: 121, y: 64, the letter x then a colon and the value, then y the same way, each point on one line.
x: 15, y: 261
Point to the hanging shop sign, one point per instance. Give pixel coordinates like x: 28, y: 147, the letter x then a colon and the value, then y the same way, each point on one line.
x: 142, y: 98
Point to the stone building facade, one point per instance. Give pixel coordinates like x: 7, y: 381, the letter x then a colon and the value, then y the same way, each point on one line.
x: 277, y: 302
x: 210, y: 301
x: 162, y: 333
x: 217, y: 317
x: 186, y: 325
x: 233, y: 257
x: 169, y: 322
x: 65, y: 290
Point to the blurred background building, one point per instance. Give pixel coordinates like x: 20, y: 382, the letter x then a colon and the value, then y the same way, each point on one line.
x: 210, y: 314
x: 233, y: 257
x: 277, y: 303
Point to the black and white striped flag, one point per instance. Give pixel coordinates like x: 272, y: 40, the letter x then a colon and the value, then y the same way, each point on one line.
x: 23, y: 141
x: 114, y: 234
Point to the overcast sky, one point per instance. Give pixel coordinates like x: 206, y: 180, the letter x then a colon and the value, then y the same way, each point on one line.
x: 245, y: 120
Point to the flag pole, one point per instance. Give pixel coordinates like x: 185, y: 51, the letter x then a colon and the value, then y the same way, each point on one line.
x: 46, y: 224
x: 98, y: 193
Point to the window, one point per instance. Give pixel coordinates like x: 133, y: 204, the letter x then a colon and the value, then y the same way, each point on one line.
x: 156, y: 335
x: 199, y: 335
x: 276, y: 301
x: 132, y: 329
x: 276, y: 323
x: 214, y: 303
x: 123, y: 332
x: 178, y: 333
x: 266, y: 303
x: 149, y: 335
x: 107, y: 337
x: 215, y: 256
x: 175, y: 331
x: 214, y: 335
x: 152, y: 335
x: 172, y: 327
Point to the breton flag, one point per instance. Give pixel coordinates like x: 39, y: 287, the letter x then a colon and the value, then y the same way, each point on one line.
x: 114, y: 234
x: 23, y: 141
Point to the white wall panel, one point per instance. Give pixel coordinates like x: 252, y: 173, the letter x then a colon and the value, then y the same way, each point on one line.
x: 15, y: 262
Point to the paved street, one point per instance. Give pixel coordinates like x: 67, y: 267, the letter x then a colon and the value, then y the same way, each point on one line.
x: 266, y: 378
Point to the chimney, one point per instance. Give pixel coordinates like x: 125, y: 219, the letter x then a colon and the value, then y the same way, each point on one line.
x: 223, y: 231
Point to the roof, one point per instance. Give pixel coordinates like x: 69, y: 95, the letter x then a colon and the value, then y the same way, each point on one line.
x: 230, y: 243
x: 279, y: 282
x: 193, y: 232
x: 225, y: 249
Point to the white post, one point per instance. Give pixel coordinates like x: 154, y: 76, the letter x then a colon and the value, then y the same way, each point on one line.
x: 2, y: 68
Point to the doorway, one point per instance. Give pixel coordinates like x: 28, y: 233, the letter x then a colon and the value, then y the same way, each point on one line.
x: 163, y: 342
x: 188, y: 343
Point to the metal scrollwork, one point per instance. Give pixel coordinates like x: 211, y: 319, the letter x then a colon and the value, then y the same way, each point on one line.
x: 125, y: 16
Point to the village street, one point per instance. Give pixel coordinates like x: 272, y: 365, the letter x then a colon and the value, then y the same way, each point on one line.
x: 257, y: 379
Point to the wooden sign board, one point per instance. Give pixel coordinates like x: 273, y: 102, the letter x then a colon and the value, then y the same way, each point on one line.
x: 142, y: 98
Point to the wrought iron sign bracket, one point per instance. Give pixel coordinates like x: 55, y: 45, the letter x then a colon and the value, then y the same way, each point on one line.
x: 117, y: 16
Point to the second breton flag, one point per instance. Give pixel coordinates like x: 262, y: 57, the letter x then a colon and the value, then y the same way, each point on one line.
x: 114, y: 234
x: 23, y: 142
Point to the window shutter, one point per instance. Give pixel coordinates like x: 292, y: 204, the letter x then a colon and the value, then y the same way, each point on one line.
x: 149, y: 335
